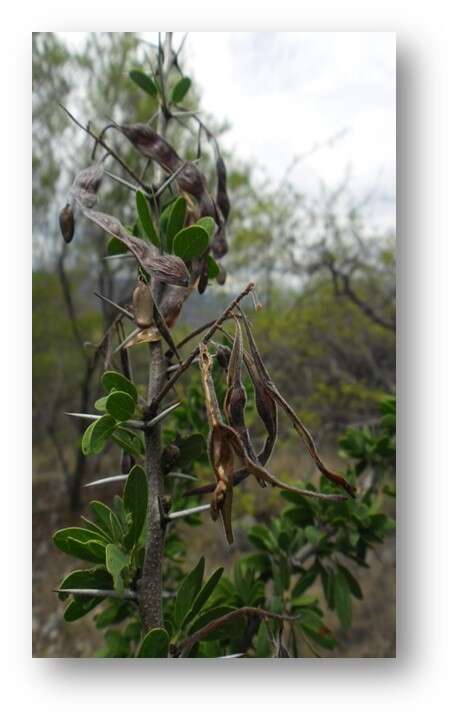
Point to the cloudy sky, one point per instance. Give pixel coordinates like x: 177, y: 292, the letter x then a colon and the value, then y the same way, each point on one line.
x: 285, y: 94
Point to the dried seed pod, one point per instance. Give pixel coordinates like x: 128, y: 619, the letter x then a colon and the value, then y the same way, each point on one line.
x: 222, y: 198
x: 172, y: 303
x: 167, y: 268
x: 219, y: 246
x: 143, y: 305
x: 170, y: 457
x: 271, y: 390
x: 143, y: 337
x: 221, y: 277
x: 219, y: 448
x: 223, y: 354
x: 67, y: 223
x: 203, y: 278
x: 86, y: 185
x: 151, y: 145
x: 235, y: 400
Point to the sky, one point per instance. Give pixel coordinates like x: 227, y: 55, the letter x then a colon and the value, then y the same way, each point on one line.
x: 288, y: 94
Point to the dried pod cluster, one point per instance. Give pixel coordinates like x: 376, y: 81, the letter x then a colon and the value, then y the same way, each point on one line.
x: 227, y: 440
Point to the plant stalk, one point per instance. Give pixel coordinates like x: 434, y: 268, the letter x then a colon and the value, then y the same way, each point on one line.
x: 151, y: 583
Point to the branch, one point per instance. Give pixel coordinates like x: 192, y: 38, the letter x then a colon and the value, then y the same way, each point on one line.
x: 108, y: 149
x: 185, y: 645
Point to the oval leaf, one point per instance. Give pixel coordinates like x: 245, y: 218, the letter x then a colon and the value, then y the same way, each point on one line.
x: 135, y: 501
x: 116, y: 247
x: 144, y: 82
x: 155, y: 644
x: 129, y: 441
x: 187, y: 592
x: 176, y: 218
x: 97, y: 434
x: 208, y: 224
x: 113, y: 380
x: 120, y: 405
x: 181, y: 89
x: 213, y: 268
x: 190, y: 242
x: 145, y: 218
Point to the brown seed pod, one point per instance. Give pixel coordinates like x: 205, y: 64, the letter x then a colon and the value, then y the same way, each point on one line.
x: 86, y: 185
x: 151, y: 145
x: 67, y: 223
x: 168, y: 269
x: 172, y: 302
x: 222, y: 199
x: 268, y: 388
x: 142, y: 305
x: 223, y: 354
x: 235, y: 400
x: 219, y: 246
x: 221, y: 277
x: 170, y: 457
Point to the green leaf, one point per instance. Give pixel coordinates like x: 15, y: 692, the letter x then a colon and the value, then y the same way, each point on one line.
x: 100, y: 404
x: 213, y: 268
x: 80, y: 543
x: 79, y: 606
x: 144, y: 82
x: 155, y: 644
x: 116, y: 562
x: 231, y: 629
x: 176, y: 218
x: 129, y: 441
x: 113, y: 380
x: 135, y: 502
x: 96, y: 435
x: 63, y: 538
x: 354, y: 585
x: 204, y: 594
x: 95, y: 578
x: 181, y: 89
x: 120, y: 405
x: 342, y: 599
x: 190, y: 242
x: 116, y: 247
x: 305, y: 581
x: 207, y: 223
x: 146, y: 218
x: 108, y: 520
x: 187, y: 591
x: 115, y: 612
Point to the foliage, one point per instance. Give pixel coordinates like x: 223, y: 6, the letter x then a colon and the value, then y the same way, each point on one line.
x: 310, y: 541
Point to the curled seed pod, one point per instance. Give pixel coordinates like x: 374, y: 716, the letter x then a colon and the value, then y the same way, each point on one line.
x: 203, y: 278
x: 219, y: 448
x: 219, y: 246
x: 269, y: 388
x: 223, y: 354
x: 86, y: 185
x: 143, y: 337
x: 151, y: 145
x: 235, y: 400
x: 221, y: 277
x: 168, y: 269
x: 172, y: 303
x: 67, y: 223
x: 170, y: 457
x: 142, y: 305
x: 222, y: 198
